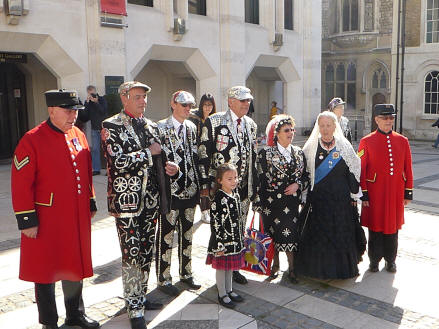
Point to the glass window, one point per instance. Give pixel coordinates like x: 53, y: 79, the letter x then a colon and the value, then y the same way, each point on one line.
x: 340, y: 72
x: 344, y: 85
x: 432, y: 33
x: 197, y: 7
x: 329, y: 75
x: 252, y: 11
x: 288, y: 13
x: 351, y: 99
x: 352, y: 72
x: 375, y: 80
x: 383, y: 81
x: 431, y: 97
x: 148, y: 3
x: 350, y: 15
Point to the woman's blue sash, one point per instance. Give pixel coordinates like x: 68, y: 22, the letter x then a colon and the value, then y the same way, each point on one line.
x: 327, y: 165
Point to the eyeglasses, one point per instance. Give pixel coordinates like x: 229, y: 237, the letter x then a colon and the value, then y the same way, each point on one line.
x: 186, y: 105
x: 287, y: 130
x: 245, y: 100
x: 386, y: 117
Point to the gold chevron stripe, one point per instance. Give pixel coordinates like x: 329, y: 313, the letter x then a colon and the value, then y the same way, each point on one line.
x: 46, y: 204
x: 25, y: 212
x: 360, y: 153
x: 22, y: 163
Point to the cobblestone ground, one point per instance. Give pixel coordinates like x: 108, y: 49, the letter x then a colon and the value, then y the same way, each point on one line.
x: 407, y: 299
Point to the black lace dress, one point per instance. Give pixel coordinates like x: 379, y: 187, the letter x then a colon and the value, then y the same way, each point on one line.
x: 328, y: 244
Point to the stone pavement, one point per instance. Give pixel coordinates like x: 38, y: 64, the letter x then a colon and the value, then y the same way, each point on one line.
x: 407, y: 299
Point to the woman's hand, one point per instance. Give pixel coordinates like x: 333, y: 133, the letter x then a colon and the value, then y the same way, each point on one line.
x: 219, y: 254
x: 291, y: 189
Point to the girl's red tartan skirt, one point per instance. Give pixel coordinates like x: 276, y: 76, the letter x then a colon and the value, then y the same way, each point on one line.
x: 226, y: 263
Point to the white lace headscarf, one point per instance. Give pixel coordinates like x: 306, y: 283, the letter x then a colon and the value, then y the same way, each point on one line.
x: 341, y: 143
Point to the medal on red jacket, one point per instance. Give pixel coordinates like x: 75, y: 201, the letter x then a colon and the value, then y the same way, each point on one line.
x: 75, y: 142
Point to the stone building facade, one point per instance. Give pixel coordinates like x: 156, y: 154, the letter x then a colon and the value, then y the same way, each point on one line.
x: 421, y: 78
x: 359, y: 60
x: 272, y: 46
x: 356, y: 57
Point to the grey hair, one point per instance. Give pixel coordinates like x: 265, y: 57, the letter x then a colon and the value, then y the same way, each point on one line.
x: 329, y: 115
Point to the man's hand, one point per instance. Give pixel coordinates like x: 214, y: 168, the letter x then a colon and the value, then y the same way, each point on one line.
x: 30, y: 232
x: 291, y: 189
x: 171, y: 168
x: 406, y: 202
x: 93, y: 213
x: 155, y: 148
x: 365, y: 203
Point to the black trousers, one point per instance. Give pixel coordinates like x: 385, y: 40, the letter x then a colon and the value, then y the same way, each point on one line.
x: 45, y: 298
x: 382, y: 245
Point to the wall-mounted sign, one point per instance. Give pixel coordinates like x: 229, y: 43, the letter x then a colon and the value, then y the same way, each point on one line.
x: 17, y: 93
x: 112, y: 83
x: 14, y: 7
x: 13, y: 58
x: 117, y: 7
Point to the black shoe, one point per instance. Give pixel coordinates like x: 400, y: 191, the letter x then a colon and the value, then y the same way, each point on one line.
x: 235, y: 297
x: 50, y: 326
x: 239, y: 278
x: 138, y: 323
x: 230, y: 304
x: 292, y: 277
x: 190, y: 282
x: 82, y: 321
x: 169, y: 289
x: 373, y: 267
x: 151, y: 306
x: 391, y: 267
x: 96, y: 173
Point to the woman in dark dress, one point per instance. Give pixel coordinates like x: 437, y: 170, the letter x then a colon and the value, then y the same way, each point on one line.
x: 206, y: 108
x: 282, y: 178
x: 198, y: 116
x: 328, y: 244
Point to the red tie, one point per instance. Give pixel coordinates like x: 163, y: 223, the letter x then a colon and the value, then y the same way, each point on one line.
x: 238, y: 125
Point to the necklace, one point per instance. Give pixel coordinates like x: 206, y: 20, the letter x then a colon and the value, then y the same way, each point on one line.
x: 327, y: 144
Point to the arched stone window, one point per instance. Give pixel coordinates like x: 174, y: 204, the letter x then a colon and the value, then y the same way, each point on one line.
x: 379, y: 79
x: 341, y: 82
x: 350, y: 15
x: 431, y: 92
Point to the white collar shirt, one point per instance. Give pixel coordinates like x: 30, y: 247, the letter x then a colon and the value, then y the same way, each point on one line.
x: 177, y: 125
x: 235, y: 122
x: 286, y: 152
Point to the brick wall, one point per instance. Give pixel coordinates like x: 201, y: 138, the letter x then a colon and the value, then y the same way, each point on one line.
x: 413, y: 23
x: 386, y: 15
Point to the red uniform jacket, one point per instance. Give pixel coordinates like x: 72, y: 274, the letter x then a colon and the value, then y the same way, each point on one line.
x: 386, y: 180
x: 52, y: 188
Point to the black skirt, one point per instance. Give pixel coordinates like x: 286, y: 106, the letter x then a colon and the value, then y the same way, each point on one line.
x: 328, y: 246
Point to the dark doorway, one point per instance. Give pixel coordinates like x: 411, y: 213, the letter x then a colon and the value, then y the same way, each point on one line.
x: 13, y: 109
x: 376, y: 99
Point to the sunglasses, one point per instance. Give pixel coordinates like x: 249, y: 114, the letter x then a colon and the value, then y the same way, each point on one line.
x: 386, y: 117
x: 287, y: 130
x: 245, y: 100
x: 186, y: 105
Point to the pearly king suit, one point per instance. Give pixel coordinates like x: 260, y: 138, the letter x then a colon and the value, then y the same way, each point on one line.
x: 180, y: 147
x: 133, y: 199
x: 220, y: 142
